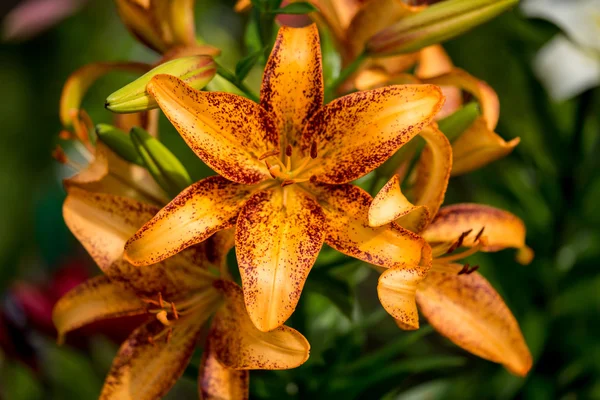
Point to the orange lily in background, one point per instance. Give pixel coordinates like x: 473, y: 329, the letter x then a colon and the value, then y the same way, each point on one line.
x: 455, y: 299
x: 177, y: 296
x: 163, y: 25
x: 285, y: 165
x: 478, y: 145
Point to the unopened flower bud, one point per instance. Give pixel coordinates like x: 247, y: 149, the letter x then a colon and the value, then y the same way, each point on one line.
x: 197, y: 71
x: 436, y: 24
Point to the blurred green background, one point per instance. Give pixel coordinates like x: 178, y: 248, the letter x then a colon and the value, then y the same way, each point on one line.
x: 551, y: 181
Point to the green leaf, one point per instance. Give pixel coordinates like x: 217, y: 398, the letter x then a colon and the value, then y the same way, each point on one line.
x: 119, y: 142
x: 456, y: 123
x: 165, y: 168
x: 336, y: 290
x: 17, y: 382
x: 296, y: 8
x: 244, y: 66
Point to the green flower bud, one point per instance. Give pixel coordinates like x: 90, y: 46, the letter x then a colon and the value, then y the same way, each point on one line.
x: 119, y: 142
x: 436, y: 24
x: 164, y: 167
x: 197, y: 71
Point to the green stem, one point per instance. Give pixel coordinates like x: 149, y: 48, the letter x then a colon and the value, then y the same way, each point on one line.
x: 229, y: 76
x: 345, y: 73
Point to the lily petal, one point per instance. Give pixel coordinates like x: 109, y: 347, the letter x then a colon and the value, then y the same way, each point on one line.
x: 96, y: 299
x: 337, y: 15
x: 145, y: 368
x: 202, y: 209
x: 433, y: 61
x: 373, y: 17
x: 217, y: 382
x: 390, y: 204
x: 433, y: 170
x: 396, y: 290
x: 347, y: 229
x: 501, y: 228
x: 292, y: 87
x: 228, y: 132
x: 356, y: 133
x: 278, y: 237
x: 80, y: 81
x: 102, y: 223
x: 467, y: 310
x: 240, y: 345
x: 487, y: 97
x: 479, y: 146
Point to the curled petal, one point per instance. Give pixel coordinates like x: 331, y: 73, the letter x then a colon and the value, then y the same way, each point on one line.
x: 292, y: 87
x: 145, y: 368
x: 433, y: 170
x: 356, y: 133
x: 240, y: 345
x: 467, y: 310
x: 501, y: 228
x: 433, y: 61
x: 479, y: 146
x: 372, y: 18
x: 278, y: 236
x: 80, y: 81
x: 487, y: 97
x: 396, y: 290
x: 217, y: 382
x: 337, y: 15
x: 95, y: 299
x: 228, y: 132
x: 390, y: 204
x: 347, y: 229
x: 194, y: 215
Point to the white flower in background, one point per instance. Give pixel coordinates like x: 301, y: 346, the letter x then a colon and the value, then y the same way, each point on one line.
x: 569, y: 63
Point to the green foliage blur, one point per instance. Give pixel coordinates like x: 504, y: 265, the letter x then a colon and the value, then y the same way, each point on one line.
x: 551, y: 181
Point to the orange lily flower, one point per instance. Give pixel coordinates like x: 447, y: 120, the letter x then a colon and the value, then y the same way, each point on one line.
x: 478, y: 145
x: 177, y: 296
x: 163, y: 25
x: 285, y: 165
x: 105, y: 172
x: 456, y: 300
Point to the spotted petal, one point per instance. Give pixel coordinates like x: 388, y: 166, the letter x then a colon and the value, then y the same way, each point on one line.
x: 356, y: 133
x: 145, y: 369
x: 103, y: 223
x: 347, y: 229
x: 202, y: 209
x: 278, y: 237
x: 240, y: 345
x: 292, y: 87
x: 228, y: 132
x: 217, y: 382
x: 96, y: 299
x: 467, y: 310
x: 501, y: 228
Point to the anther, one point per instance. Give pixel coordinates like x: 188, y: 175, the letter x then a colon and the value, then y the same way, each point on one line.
x: 479, y: 234
x: 162, y: 317
x: 269, y: 153
x: 288, y: 150
x: 313, y: 150
x: 287, y: 182
x: 65, y: 135
x: 59, y: 155
x: 464, y: 269
x: 459, y: 242
x: 475, y: 268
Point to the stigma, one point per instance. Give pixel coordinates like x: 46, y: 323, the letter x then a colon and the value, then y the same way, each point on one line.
x: 284, y: 171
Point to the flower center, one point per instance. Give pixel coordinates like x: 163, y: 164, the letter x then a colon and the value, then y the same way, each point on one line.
x: 170, y: 314
x: 284, y: 169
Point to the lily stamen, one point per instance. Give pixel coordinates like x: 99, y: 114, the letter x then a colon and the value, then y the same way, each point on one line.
x: 480, y: 244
